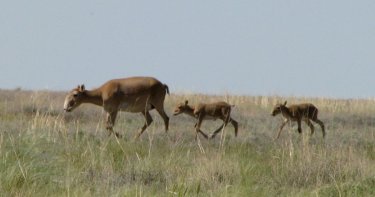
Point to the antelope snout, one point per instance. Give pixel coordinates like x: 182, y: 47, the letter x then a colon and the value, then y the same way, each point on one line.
x: 67, y: 109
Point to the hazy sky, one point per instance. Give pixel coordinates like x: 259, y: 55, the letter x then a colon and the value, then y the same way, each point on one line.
x: 263, y: 47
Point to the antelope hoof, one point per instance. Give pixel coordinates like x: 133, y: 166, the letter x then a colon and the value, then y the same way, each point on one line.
x: 118, y: 135
x: 136, y: 137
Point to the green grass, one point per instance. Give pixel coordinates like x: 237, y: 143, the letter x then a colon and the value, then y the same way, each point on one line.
x: 44, y: 152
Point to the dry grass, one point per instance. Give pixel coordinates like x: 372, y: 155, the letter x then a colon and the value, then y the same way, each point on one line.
x: 44, y: 152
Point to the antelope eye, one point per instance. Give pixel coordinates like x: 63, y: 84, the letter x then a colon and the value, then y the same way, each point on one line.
x: 75, y: 95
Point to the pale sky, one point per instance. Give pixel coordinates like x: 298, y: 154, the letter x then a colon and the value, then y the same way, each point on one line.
x: 319, y: 48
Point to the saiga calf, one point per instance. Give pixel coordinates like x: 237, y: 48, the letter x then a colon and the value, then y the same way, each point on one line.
x: 208, y: 111
x: 299, y: 112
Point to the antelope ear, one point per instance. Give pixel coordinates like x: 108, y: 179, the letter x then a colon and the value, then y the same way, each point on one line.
x: 186, y: 102
x: 81, y: 88
x: 285, y: 103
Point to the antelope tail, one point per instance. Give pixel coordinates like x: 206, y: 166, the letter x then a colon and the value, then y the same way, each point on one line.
x: 166, y: 88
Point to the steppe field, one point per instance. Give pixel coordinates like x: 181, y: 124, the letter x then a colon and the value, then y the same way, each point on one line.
x: 45, y: 152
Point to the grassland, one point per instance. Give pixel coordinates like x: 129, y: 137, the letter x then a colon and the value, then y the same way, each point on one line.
x: 44, y: 152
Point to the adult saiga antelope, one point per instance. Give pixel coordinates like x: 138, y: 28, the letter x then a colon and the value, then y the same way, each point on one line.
x: 208, y: 111
x: 134, y: 94
x: 299, y: 112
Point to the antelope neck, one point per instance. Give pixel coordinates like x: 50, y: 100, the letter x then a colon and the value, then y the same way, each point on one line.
x: 189, y: 110
x: 93, y: 96
x: 285, y: 111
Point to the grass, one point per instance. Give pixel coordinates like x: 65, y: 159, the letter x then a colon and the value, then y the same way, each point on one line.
x: 44, y: 152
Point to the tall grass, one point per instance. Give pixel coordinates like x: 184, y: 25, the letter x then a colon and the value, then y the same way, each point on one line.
x: 44, y: 152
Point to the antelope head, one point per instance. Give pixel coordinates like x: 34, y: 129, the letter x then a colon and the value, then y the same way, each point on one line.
x: 74, y: 98
x: 278, y: 108
x: 181, y: 108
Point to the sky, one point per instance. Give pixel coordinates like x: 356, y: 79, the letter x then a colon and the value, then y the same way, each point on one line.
x: 314, y: 48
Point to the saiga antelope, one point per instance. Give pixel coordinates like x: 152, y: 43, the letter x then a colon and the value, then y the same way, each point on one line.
x: 299, y: 112
x: 134, y: 94
x: 208, y: 111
